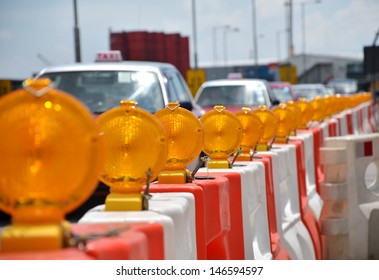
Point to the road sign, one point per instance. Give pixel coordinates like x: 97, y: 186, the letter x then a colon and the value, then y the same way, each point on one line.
x: 195, y: 78
x: 288, y: 74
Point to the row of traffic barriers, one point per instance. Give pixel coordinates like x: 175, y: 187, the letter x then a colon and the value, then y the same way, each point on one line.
x: 295, y: 182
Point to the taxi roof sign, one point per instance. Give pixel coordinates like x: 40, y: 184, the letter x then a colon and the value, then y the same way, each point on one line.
x: 106, y: 56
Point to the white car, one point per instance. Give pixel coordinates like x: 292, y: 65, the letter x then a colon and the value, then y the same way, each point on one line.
x: 234, y: 94
x: 101, y: 86
x: 309, y: 91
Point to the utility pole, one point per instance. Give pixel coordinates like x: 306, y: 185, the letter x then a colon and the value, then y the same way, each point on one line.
x: 255, y: 44
x: 76, y: 35
x: 194, y: 32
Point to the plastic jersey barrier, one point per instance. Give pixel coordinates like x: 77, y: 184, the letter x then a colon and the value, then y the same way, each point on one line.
x: 314, y: 199
x: 278, y: 250
x: 368, y: 124
x: 212, y: 215
x: 182, y: 211
x: 342, y: 128
x: 361, y: 175
x: 134, y: 242
x: 306, y: 212
x: 318, y: 141
x: 350, y: 124
x: 249, y: 220
x: 332, y: 127
x: 371, y: 117
x: 294, y: 234
x: 99, y: 215
x: 198, y: 194
x: 217, y: 217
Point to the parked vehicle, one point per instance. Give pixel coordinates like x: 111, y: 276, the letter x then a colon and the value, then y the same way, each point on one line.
x: 234, y: 94
x: 344, y: 86
x: 283, y: 91
x: 101, y: 86
x: 309, y: 91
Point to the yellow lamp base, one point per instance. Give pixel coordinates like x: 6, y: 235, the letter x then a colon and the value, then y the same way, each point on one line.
x: 281, y: 140
x: 32, y: 238
x: 218, y: 164
x: 174, y: 177
x: 124, y: 202
x: 262, y: 148
x: 244, y: 157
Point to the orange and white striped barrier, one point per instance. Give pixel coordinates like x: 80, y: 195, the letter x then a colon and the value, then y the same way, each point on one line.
x: 294, y: 234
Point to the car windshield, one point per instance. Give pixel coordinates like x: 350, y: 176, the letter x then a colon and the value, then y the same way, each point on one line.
x: 282, y: 94
x: 344, y: 86
x: 103, y: 90
x: 230, y: 95
x: 309, y: 93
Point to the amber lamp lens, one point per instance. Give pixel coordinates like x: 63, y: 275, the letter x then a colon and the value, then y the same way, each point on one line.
x: 296, y: 111
x: 222, y: 133
x: 135, y: 142
x: 306, y: 112
x: 286, y: 120
x: 185, y: 135
x: 320, y: 108
x: 270, y: 123
x: 51, y: 153
x: 252, y: 128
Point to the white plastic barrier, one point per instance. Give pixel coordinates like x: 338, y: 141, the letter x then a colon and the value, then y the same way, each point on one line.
x: 182, y: 211
x: 342, y: 123
x: 254, y: 208
x: 362, y: 190
x: 295, y: 236
x: 314, y: 199
x: 175, y: 213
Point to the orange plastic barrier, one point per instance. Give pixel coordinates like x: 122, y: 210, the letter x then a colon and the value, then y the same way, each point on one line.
x: 155, y: 238
x: 212, y: 214
x: 333, y: 128
x: 277, y: 248
x: 235, y: 236
x: 217, y: 217
x: 350, y: 127
x: 130, y: 243
x: 307, y: 215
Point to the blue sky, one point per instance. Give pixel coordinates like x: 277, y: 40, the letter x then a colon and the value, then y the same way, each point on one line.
x: 35, y: 33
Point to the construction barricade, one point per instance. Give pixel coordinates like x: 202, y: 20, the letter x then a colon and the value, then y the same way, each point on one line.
x: 294, y: 235
x: 248, y: 209
x: 350, y: 215
x: 212, y: 214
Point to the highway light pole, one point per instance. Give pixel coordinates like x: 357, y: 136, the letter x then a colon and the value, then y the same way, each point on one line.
x: 214, y: 35
x: 227, y: 29
x: 303, y: 29
x: 194, y: 32
x: 255, y: 43
x: 76, y: 35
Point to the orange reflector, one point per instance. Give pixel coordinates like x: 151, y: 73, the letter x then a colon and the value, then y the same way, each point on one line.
x: 222, y: 136
x: 51, y: 153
